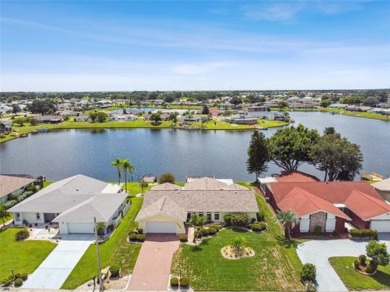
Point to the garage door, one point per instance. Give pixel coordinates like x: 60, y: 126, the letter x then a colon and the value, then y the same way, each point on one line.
x: 80, y: 228
x: 161, y: 227
x: 381, y: 225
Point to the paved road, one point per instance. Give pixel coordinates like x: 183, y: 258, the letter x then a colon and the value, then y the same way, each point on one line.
x: 54, y: 270
x: 151, y: 272
x: 318, y: 252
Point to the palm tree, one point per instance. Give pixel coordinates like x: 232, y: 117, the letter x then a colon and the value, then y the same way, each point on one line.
x: 127, y: 167
x: 117, y: 162
x: 288, y: 219
x: 3, y: 213
x: 143, y: 185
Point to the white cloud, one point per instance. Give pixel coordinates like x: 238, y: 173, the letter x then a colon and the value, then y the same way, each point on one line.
x: 280, y: 11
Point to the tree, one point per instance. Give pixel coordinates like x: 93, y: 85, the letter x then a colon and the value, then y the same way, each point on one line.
x: 238, y: 243
x: 156, y: 118
x: 143, y: 185
x: 98, y: 116
x: 336, y: 156
x: 173, y: 118
x: 3, y: 213
x: 288, y: 219
x: 378, y: 253
x: 258, y: 154
x: 16, y: 108
x: 20, y: 121
x: 205, y: 110
x: 290, y: 147
x: 167, y: 178
x: 127, y: 167
x: 42, y: 106
x: 236, y: 101
x: 203, y: 121
x: 117, y: 163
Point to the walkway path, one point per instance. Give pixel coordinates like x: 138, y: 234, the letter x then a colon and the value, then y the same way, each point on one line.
x: 318, y: 252
x: 55, y: 269
x: 151, y: 272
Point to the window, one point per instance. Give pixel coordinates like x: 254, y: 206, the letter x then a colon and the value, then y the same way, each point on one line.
x: 188, y: 216
x: 216, y: 216
x: 38, y: 216
x: 200, y: 214
x: 17, y: 216
x: 208, y: 216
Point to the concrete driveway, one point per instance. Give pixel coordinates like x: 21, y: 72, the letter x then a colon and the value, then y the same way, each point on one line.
x: 54, y: 270
x: 153, y: 267
x: 318, y: 252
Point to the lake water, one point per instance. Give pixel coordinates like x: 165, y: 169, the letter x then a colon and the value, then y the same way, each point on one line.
x: 204, y: 153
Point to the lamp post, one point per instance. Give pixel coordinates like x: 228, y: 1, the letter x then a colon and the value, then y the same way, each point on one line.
x: 98, y: 257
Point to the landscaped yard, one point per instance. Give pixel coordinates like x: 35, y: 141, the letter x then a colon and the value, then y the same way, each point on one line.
x: 275, y: 266
x: 21, y: 256
x: 356, y: 281
x: 115, y: 251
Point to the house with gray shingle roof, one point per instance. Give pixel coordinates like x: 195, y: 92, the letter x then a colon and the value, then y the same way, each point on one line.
x: 73, y: 203
x: 167, y: 207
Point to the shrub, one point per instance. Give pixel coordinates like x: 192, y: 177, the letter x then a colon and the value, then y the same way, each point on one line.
x: 263, y: 225
x: 22, y: 234
x: 253, y: 220
x: 140, y: 231
x: 204, y: 231
x: 260, y: 216
x: 239, y: 219
x: 362, y: 260
x: 198, y: 234
x: 114, y: 270
x: 260, y: 226
x: 378, y: 253
x: 310, y: 287
x: 184, y: 281
x: 24, y: 277
x: 18, y: 282
x: 356, y: 264
x: 216, y: 226
x: 140, y: 237
x: 183, y: 238
x: 228, y: 219
x: 212, y: 231
x: 317, y: 229
x: 308, y: 273
x: 256, y: 227
x: 167, y: 178
x: 174, y: 282
x: 371, y: 267
x: 358, y: 233
x: 133, y: 237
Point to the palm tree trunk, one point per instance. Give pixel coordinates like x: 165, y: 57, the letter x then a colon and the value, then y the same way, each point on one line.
x: 119, y: 175
x: 126, y: 181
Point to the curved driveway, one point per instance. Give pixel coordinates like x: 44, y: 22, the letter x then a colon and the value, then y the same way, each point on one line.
x: 318, y: 252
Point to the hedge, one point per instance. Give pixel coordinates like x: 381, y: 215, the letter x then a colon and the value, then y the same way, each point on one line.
x: 358, y: 233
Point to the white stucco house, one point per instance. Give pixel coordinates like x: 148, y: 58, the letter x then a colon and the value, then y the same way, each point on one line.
x: 73, y: 203
x: 167, y: 207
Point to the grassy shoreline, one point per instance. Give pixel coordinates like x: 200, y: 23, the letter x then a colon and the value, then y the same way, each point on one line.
x: 140, y: 124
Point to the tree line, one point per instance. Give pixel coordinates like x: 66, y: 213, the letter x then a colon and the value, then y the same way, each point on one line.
x: 291, y: 147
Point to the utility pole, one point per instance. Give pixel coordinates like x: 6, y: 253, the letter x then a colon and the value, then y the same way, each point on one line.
x: 98, y: 257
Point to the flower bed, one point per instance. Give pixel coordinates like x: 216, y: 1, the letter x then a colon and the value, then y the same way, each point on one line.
x: 231, y: 253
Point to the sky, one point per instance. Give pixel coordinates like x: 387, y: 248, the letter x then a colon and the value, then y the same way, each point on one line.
x: 194, y: 45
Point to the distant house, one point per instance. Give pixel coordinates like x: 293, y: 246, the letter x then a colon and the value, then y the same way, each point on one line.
x: 167, y: 207
x: 14, y: 185
x: 328, y: 204
x: 73, y: 203
x: 383, y: 188
x: 123, y: 118
x: 5, y: 127
x: 49, y: 119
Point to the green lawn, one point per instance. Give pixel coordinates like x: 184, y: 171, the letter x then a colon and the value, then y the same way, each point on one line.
x: 115, y: 251
x: 275, y: 266
x: 134, y: 188
x: 357, y: 281
x: 21, y: 256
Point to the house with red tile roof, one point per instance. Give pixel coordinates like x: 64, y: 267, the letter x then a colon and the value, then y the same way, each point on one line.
x: 328, y: 204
